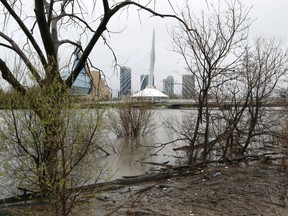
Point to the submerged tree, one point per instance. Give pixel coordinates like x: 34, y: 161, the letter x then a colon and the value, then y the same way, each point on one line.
x: 211, y: 48
x: 132, y: 119
x: 247, y: 125
x: 232, y: 76
x: 41, y: 28
x: 263, y: 67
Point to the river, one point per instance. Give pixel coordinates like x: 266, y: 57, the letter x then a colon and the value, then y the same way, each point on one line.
x: 126, y: 155
x: 129, y: 154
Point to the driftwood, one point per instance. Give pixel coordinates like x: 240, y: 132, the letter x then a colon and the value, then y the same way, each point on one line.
x: 103, y: 186
x: 20, y: 198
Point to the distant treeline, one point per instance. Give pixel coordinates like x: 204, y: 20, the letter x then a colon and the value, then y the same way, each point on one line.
x: 13, y: 100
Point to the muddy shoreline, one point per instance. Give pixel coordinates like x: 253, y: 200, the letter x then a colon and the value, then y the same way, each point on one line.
x: 238, y: 189
x: 259, y: 189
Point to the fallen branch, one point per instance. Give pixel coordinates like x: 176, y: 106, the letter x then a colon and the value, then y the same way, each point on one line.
x: 164, y: 164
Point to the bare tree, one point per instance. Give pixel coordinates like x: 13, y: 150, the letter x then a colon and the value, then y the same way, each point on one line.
x: 263, y: 68
x: 44, y: 27
x: 210, y: 47
x: 248, y: 124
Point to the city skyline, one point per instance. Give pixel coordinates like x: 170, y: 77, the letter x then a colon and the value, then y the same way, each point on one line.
x: 128, y: 38
x: 187, y: 86
x: 266, y: 18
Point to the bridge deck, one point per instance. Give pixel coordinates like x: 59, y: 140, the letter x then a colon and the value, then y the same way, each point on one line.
x: 182, y: 103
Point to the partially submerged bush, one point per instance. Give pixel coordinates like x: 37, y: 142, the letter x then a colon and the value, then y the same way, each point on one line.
x: 132, y: 119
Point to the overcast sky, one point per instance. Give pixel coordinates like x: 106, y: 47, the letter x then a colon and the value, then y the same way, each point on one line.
x: 133, y: 45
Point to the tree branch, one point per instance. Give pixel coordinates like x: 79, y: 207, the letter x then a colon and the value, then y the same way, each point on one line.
x: 106, y: 6
x: 26, y: 31
x: 21, y: 54
x: 44, y: 29
x: 9, y: 77
x: 50, y: 15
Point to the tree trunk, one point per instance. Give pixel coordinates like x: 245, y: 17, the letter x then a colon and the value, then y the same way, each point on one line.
x: 48, y: 104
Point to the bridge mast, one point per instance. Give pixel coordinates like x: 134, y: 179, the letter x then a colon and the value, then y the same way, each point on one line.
x: 152, y: 62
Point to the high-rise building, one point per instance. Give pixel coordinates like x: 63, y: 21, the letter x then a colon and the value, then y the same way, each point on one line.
x: 168, y: 86
x: 125, y: 81
x: 99, y: 88
x: 144, y: 81
x: 188, y: 85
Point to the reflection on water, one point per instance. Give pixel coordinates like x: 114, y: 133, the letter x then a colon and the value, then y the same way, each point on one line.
x: 129, y: 153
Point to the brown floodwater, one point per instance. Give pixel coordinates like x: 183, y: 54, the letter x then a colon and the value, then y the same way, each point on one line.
x: 130, y: 156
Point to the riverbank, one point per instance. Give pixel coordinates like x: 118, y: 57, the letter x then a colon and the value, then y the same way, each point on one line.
x: 257, y: 189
